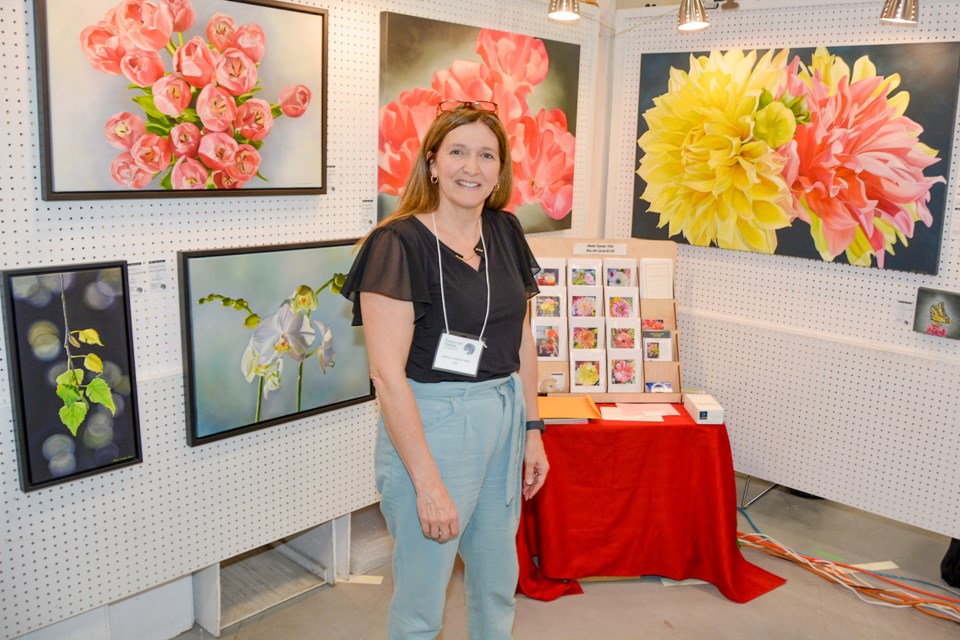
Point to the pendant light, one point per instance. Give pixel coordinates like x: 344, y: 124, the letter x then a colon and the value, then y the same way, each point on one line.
x: 692, y: 16
x: 564, y: 10
x: 902, y: 12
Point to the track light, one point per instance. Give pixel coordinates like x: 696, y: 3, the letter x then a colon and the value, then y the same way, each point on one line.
x: 692, y: 16
x: 902, y: 12
x: 564, y: 10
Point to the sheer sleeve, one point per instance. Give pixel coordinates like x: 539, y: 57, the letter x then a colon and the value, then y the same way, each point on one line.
x: 387, y: 264
x: 528, y: 262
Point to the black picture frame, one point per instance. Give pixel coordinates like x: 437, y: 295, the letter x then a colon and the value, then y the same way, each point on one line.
x: 256, y: 341
x: 71, y: 425
x: 84, y: 88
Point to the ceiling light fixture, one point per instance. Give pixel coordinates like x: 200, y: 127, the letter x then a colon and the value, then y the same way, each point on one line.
x: 692, y: 16
x: 902, y: 12
x: 564, y: 10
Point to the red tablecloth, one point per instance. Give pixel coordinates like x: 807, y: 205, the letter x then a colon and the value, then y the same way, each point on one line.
x: 633, y: 499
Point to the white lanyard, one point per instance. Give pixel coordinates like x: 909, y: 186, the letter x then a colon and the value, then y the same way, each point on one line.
x: 486, y: 269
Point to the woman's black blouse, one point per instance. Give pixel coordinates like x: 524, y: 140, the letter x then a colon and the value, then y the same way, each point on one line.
x: 400, y: 261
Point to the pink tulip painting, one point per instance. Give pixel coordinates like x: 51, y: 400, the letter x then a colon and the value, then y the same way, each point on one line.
x: 835, y: 153
x: 159, y: 96
x: 532, y: 81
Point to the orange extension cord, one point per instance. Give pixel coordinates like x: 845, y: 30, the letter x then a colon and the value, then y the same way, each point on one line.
x: 851, y: 577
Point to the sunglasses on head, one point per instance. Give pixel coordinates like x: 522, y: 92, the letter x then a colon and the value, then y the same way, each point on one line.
x: 479, y: 105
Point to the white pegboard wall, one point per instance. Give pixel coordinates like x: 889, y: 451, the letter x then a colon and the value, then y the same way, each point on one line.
x: 76, y: 546
x: 863, y: 426
x: 826, y: 389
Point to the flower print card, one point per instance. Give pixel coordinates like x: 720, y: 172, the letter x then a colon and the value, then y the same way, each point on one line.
x: 623, y: 333
x: 586, y: 333
x: 619, y: 272
x: 658, y: 314
x: 586, y: 302
x: 550, y: 303
x: 585, y: 272
x: 658, y: 345
x: 553, y: 272
x: 624, y: 371
x: 656, y: 278
x: 550, y: 337
x: 621, y: 302
x: 588, y: 371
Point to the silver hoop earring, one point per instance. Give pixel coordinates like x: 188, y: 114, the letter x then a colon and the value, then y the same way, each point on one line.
x: 434, y: 179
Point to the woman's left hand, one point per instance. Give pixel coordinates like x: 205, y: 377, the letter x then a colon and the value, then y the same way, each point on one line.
x: 535, y: 465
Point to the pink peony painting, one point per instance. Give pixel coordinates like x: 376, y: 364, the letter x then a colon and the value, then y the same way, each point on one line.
x: 151, y: 98
x: 533, y: 81
x: 832, y: 153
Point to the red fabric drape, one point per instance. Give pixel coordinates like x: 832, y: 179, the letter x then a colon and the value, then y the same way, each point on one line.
x: 632, y: 499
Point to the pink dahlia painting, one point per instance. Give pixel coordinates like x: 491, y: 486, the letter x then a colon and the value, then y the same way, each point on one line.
x: 834, y: 153
x: 533, y: 81
x: 189, y: 97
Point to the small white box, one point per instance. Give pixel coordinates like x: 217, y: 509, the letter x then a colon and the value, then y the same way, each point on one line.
x: 703, y: 408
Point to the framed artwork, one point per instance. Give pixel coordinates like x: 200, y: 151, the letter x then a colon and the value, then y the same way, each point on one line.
x: 833, y: 153
x: 71, y: 371
x: 184, y: 98
x: 937, y: 313
x: 533, y: 81
x: 267, y: 337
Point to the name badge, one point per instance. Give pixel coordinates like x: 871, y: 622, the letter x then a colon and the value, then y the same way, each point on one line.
x: 458, y: 353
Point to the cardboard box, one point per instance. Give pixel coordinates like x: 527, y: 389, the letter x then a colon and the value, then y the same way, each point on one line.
x: 703, y: 408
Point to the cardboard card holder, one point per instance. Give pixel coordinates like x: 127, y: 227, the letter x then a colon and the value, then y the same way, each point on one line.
x: 553, y: 376
x: 659, y: 309
x: 658, y: 373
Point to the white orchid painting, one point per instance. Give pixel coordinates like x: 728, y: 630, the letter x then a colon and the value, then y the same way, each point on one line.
x: 269, y: 337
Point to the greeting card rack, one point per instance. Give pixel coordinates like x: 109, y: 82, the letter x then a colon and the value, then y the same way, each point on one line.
x: 555, y: 376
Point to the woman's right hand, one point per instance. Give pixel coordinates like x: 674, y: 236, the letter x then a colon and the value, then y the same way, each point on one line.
x: 388, y: 329
x: 438, y: 515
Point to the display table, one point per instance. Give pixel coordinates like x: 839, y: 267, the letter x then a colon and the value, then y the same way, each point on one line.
x: 632, y: 499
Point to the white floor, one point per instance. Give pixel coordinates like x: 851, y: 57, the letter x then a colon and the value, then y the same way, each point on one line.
x: 805, y: 607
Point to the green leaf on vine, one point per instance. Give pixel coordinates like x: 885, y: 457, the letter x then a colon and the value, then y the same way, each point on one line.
x: 68, y: 394
x: 93, y: 363
x: 99, y: 391
x: 89, y: 336
x: 72, y: 416
x: 70, y: 378
x: 73, y: 341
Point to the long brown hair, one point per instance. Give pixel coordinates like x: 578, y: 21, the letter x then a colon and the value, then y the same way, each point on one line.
x: 420, y: 195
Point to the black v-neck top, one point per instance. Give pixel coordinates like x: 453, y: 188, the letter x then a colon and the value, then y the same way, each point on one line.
x: 400, y: 261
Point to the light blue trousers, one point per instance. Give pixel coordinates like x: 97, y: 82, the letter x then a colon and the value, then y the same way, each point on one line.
x: 475, y: 433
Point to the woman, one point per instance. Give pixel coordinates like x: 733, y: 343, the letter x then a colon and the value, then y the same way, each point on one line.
x: 441, y: 288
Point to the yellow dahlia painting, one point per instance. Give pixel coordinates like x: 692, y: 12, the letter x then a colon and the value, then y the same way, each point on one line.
x: 817, y: 153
